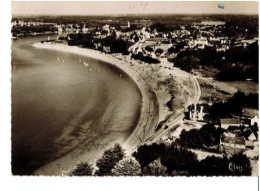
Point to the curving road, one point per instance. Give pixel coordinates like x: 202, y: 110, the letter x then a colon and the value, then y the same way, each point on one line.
x: 172, y: 121
x: 178, y: 119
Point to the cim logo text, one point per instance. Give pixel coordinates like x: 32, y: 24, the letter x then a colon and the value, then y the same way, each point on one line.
x: 235, y: 168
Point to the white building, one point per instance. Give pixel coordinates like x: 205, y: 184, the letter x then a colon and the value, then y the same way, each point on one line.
x: 201, y: 42
x: 254, y: 120
x: 234, y: 122
x: 106, y: 28
x: 198, y: 111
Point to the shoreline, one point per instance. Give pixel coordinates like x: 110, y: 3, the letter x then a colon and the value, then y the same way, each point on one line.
x: 149, y: 100
x: 147, y: 77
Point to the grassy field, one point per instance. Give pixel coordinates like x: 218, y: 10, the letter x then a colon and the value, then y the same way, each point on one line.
x: 215, y: 90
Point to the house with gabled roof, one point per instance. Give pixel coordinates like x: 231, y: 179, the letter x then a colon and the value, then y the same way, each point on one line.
x: 227, y: 140
x: 225, y: 123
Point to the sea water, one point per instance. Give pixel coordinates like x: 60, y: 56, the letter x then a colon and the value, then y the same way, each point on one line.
x: 62, y: 102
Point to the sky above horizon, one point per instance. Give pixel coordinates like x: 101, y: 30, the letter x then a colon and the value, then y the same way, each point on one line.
x: 132, y: 7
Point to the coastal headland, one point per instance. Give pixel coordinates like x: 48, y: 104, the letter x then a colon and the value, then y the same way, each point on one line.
x: 166, y: 93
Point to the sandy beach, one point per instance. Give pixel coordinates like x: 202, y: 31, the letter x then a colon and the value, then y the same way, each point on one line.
x: 150, y: 106
x: 166, y: 92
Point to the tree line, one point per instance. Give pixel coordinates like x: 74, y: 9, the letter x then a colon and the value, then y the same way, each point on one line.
x: 32, y: 29
x: 233, y: 106
x: 162, y: 160
x: 235, y: 64
x: 88, y: 41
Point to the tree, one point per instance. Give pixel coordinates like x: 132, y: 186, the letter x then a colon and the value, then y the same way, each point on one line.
x: 236, y: 165
x: 82, y: 169
x: 155, y: 168
x: 179, y: 158
x: 149, y: 48
x: 172, y: 50
x: 161, y: 27
x: 240, y: 165
x: 213, y: 166
x: 207, y: 136
x: 158, y: 51
x: 108, y: 160
x: 146, y: 154
x: 146, y: 59
x: 127, y: 167
x: 186, y: 61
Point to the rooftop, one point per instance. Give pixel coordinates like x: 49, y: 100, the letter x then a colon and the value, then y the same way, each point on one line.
x: 233, y: 140
x: 230, y: 121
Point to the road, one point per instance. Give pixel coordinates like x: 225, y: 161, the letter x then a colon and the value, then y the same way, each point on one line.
x: 178, y: 120
x: 174, y: 121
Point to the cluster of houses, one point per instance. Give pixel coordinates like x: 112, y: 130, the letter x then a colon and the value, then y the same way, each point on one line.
x: 29, y: 23
x: 237, y: 132
x: 236, y: 137
x: 197, y: 36
x: 154, y: 44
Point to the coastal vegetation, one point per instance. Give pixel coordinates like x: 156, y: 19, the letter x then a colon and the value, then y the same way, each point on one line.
x: 164, y: 160
x: 88, y: 41
x: 178, y: 161
x: 84, y: 40
x: 82, y: 169
x: 235, y: 64
x: 109, y: 160
x: 146, y: 59
x: 206, y: 138
x: 233, y: 106
x: 127, y: 167
x: 216, y: 166
x: 17, y: 30
x: 155, y: 168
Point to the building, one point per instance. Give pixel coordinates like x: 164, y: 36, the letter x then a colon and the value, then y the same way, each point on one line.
x: 106, y: 28
x: 250, y: 140
x: 254, y: 120
x: 198, y: 111
x: 106, y: 49
x: 212, y: 23
x: 98, y: 46
x: 163, y: 59
x: 201, y: 42
x: 234, y: 122
x: 252, y: 137
x: 228, y: 140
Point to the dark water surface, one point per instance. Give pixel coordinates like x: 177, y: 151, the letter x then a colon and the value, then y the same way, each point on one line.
x: 56, y: 100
